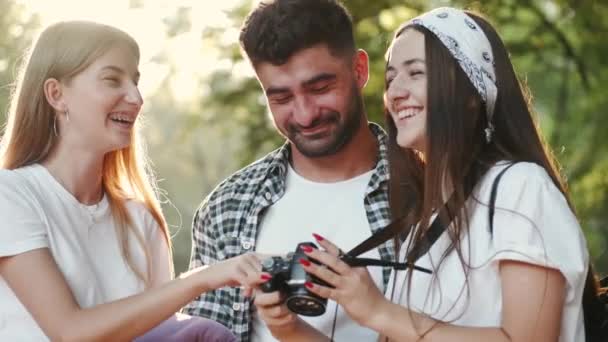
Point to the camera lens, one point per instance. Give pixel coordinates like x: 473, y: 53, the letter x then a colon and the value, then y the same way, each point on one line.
x: 267, y: 264
x: 306, y: 305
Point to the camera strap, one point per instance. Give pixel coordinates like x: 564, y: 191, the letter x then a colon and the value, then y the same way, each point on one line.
x: 438, y: 226
x: 440, y: 223
x: 363, y: 262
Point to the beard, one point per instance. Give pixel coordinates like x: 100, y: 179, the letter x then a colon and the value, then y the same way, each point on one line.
x: 341, y: 132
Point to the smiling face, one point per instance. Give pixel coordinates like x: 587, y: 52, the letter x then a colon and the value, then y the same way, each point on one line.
x: 315, y: 99
x: 103, y: 102
x: 406, y: 94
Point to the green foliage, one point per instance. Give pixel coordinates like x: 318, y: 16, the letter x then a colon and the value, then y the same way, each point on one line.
x: 558, y: 49
x: 16, y: 30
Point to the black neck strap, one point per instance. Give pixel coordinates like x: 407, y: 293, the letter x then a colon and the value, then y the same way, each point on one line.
x: 440, y: 223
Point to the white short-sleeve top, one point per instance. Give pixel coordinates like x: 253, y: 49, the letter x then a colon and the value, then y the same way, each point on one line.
x: 532, y: 223
x: 38, y: 212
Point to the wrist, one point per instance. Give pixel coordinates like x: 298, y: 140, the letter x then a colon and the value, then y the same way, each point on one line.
x: 391, y: 319
x: 382, y: 314
x: 284, y: 331
x: 198, y: 279
x: 298, y: 330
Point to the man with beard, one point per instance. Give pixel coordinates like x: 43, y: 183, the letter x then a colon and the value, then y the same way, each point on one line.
x: 328, y: 180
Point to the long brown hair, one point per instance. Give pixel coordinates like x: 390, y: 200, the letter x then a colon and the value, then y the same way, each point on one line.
x: 457, y: 153
x: 62, y: 51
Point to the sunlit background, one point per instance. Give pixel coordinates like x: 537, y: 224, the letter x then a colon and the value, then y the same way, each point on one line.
x: 176, y: 58
x: 205, y: 115
x: 169, y: 33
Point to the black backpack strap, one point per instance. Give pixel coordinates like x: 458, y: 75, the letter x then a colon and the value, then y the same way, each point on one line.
x: 493, y: 197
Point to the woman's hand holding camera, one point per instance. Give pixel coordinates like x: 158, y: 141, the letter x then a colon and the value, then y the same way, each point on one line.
x: 353, y: 287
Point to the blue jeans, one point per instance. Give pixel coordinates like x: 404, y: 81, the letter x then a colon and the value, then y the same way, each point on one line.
x: 187, y: 328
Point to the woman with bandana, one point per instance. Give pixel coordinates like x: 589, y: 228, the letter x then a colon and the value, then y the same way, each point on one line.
x: 511, y: 263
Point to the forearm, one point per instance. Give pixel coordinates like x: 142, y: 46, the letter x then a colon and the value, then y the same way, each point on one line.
x: 400, y: 324
x: 131, y: 317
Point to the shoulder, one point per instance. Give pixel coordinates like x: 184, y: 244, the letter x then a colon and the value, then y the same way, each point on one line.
x: 531, y: 172
x: 526, y: 196
x: 519, y: 177
x: 520, y: 172
x: 527, y: 193
x: 12, y: 178
x: 256, y: 171
x: 23, y: 226
x: 382, y: 169
x: 16, y: 184
x: 9, y: 179
x: 379, y: 133
x: 533, y: 221
x: 243, y: 184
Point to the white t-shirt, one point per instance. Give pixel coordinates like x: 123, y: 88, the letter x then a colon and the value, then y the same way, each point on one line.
x: 532, y: 224
x: 37, y: 212
x: 335, y: 211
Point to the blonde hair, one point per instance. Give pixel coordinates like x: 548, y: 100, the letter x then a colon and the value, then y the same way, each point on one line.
x: 62, y: 51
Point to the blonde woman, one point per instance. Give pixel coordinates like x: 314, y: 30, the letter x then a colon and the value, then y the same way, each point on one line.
x: 84, y: 249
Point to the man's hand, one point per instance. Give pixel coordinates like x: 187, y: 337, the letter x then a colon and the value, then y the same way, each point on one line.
x: 273, y: 311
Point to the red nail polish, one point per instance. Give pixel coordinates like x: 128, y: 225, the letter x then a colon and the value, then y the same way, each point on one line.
x: 306, y: 249
x: 265, y: 277
x: 304, y: 262
x: 308, y: 284
x: 318, y: 237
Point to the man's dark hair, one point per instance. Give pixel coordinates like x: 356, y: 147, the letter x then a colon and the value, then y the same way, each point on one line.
x: 276, y: 29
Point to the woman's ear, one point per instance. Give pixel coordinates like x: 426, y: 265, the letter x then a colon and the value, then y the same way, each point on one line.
x: 53, y: 92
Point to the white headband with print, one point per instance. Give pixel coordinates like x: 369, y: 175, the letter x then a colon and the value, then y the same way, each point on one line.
x: 469, y: 45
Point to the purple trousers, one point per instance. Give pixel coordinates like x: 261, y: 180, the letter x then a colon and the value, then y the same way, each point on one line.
x: 187, y: 328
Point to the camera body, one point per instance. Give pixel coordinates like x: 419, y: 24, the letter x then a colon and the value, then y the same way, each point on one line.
x: 289, y: 277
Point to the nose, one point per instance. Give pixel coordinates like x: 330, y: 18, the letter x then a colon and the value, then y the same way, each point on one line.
x: 396, y: 93
x: 305, y: 112
x: 133, y: 96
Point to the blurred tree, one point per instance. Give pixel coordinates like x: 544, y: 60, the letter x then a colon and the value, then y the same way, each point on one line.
x: 557, y: 48
x: 16, y: 31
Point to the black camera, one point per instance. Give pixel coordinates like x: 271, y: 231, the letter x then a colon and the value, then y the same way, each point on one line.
x: 289, y: 277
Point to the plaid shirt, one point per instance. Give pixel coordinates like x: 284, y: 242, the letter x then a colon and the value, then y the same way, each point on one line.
x: 226, y: 223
